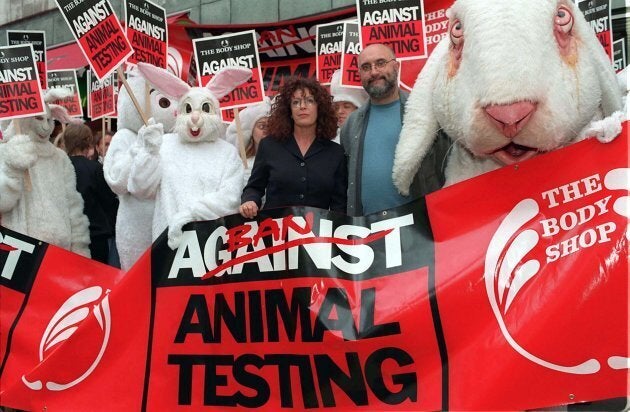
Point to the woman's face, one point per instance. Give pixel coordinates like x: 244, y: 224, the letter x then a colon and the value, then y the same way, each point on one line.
x: 343, y: 110
x: 260, y: 130
x: 304, y: 108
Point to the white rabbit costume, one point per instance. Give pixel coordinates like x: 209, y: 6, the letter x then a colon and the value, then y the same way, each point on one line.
x: 194, y: 174
x: 510, y: 80
x: 135, y: 215
x: 52, y: 210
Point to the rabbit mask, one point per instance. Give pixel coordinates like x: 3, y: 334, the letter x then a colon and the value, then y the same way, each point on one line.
x: 163, y: 108
x: 199, y: 117
x: 511, y: 79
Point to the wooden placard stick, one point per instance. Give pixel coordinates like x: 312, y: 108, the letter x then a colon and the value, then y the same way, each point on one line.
x: 121, y: 76
x: 239, y: 137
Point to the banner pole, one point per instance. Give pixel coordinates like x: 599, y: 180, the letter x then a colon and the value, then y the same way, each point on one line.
x: 121, y: 76
x: 28, y: 186
x: 147, y: 100
x: 103, y: 135
x: 241, y: 140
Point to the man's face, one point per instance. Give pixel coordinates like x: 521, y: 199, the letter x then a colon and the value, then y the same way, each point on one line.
x: 378, y: 82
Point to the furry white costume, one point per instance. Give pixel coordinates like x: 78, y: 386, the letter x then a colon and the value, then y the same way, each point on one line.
x: 135, y: 215
x: 193, y: 174
x: 52, y: 210
x: 512, y: 79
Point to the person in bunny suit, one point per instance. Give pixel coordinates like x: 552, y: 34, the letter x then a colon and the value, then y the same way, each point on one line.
x: 193, y: 174
x: 546, y: 83
x: 345, y: 99
x: 50, y: 209
x: 254, y: 129
x: 135, y: 214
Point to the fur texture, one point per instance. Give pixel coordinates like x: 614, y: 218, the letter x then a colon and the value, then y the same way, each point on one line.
x: 135, y: 215
x: 533, y: 64
x: 193, y: 174
x: 52, y: 210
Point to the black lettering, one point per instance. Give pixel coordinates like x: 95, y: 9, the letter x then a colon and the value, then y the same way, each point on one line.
x: 252, y: 381
x: 234, y: 321
x: 367, y: 328
x: 256, y: 331
x: 374, y: 376
x: 336, y: 298
x: 352, y: 384
x: 307, y: 384
x: 276, y: 302
x: 198, y: 306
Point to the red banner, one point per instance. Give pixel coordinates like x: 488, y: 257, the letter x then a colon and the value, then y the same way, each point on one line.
x: 512, y: 303
x: 67, y: 79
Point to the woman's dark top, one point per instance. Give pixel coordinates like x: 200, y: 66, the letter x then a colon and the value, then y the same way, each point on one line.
x: 286, y: 178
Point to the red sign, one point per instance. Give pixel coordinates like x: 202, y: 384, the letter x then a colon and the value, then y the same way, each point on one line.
x: 38, y: 39
x: 597, y: 14
x: 99, y: 33
x: 349, y: 58
x: 231, y: 50
x: 100, y: 97
x: 68, y: 80
x: 147, y: 31
x: 398, y: 23
x: 329, y: 47
x: 20, y: 89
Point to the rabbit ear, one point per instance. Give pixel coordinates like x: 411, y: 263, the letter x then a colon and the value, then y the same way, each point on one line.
x: 608, y: 82
x: 227, y: 80
x: 57, y: 93
x: 60, y: 113
x: 164, y: 81
x: 420, y: 125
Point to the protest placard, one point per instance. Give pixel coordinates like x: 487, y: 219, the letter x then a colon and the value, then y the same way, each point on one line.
x: 231, y: 50
x: 20, y: 88
x: 329, y: 45
x: 99, y: 33
x: 351, y: 49
x: 619, y: 54
x: 67, y: 79
x: 597, y: 14
x: 398, y: 23
x: 147, y: 31
x: 100, y: 96
x: 38, y: 39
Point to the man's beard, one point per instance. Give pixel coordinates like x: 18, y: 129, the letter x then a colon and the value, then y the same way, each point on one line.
x: 378, y: 92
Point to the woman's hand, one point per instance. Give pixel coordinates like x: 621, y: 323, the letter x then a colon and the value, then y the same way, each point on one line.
x: 248, y: 209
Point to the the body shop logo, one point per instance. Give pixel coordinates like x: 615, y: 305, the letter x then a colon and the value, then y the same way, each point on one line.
x: 64, y: 323
x: 555, y: 243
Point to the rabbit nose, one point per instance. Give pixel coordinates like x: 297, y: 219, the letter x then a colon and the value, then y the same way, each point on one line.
x: 509, y: 119
x: 194, y: 117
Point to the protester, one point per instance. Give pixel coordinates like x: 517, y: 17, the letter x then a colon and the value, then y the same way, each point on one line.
x: 370, y: 135
x: 253, y: 121
x: 100, y: 203
x: 346, y: 99
x: 298, y: 163
x: 101, y: 144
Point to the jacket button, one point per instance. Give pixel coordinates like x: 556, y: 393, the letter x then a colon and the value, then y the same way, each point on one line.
x: 303, y: 179
x: 302, y: 163
x: 301, y: 196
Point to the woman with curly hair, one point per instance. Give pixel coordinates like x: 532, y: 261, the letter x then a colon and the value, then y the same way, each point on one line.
x: 298, y: 164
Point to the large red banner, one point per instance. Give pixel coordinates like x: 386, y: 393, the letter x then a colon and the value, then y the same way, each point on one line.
x: 505, y: 292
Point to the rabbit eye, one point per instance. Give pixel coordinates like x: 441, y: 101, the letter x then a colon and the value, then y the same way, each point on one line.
x: 564, y: 19
x: 456, y: 32
x: 206, y: 107
x: 164, y: 102
x: 188, y: 108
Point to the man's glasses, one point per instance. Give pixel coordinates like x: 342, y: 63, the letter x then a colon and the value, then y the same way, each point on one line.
x: 306, y: 102
x: 378, y: 65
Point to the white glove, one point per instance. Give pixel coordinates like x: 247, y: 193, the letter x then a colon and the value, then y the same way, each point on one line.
x: 605, y: 130
x: 151, y: 135
x: 20, y: 152
x: 175, y: 229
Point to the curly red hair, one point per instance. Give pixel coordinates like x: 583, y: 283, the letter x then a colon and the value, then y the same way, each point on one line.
x: 280, y: 124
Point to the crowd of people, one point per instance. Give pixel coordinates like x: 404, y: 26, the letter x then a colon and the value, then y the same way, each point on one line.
x: 307, y: 147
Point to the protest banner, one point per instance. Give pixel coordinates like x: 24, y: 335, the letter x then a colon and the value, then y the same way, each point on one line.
x: 329, y: 46
x: 597, y: 14
x: 67, y: 79
x: 619, y: 55
x: 20, y: 88
x: 351, y: 49
x: 438, y: 304
x: 147, y: 32
x: 100, y: 96
x: 99, y: 33
x: 231, y: 50
x: 398, y: 23
x: 38, y: 39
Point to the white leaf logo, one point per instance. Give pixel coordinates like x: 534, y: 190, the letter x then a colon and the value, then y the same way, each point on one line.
x: 65, y: 323
x: 503, y: 274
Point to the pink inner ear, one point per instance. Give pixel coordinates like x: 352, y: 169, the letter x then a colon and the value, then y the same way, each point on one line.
x: 164, y: 81
x: 60, y: 113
